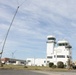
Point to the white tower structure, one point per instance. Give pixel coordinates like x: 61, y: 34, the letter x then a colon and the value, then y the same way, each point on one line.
x: 61, y: 52
x: 50, y: 45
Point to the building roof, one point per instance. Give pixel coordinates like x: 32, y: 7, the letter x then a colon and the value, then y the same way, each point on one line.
x: 63, y: 41
x: 11, y: 59
x: 50, y: 36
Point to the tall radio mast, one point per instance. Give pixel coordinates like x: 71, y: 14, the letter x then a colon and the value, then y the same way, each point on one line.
x: 8, y: 32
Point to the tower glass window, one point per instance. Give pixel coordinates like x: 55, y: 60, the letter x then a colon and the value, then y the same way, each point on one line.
x: 49, y: 57
x: 51, y: 39
x: 60, y: 56
x: 62, y: 44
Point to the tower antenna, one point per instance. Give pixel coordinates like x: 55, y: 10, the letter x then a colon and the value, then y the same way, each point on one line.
x: 8, y: 32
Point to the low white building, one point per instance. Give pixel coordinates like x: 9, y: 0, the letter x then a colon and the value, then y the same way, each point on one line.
x: 36, y: 62
x: 56, y: 51
x: 13, y: 61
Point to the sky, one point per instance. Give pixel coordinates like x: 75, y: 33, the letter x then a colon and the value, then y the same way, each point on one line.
x: 34, y: 21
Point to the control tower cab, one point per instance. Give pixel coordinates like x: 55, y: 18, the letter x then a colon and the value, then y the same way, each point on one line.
x: 51, y: 39
x: 64, y: 43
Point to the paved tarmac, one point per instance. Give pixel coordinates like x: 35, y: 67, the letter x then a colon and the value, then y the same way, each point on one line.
x: 72, y: 72
x: 19, y: 72
x: 27, y: 72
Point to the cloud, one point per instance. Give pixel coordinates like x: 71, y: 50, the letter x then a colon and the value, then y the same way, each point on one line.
x: 35, y: 20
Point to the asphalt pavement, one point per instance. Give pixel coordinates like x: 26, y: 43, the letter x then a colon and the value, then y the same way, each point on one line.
x: 30, y: 72
x: 19, y: 72
x: 70, y: 72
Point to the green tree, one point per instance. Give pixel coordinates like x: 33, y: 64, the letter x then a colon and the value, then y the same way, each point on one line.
x: 51, y: 64
x: 60, y: 64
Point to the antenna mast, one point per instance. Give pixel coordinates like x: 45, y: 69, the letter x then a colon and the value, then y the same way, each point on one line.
x: 7, y: 35
x: 8, y: 32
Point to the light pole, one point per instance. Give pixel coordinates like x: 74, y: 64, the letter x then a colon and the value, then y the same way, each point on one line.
x: 13, y: 54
